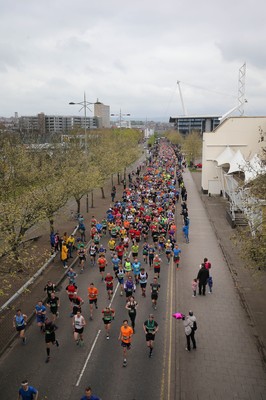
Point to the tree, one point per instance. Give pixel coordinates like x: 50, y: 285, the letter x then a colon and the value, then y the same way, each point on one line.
x: 175, y: 137
x: 192, y: 146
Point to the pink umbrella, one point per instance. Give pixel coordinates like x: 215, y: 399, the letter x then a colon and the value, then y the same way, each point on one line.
x: 178, y: 315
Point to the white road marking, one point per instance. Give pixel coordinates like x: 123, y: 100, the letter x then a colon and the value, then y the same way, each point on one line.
x: 87, y: 359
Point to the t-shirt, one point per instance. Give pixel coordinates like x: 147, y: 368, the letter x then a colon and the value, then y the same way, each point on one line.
x: 155, y: 287
x: 92, y: 397
x: 126, y: 333
x: 92, y: 293
x: 109, y: 280
x: 27, y: 394
x: 53, y: 303
x: 150, y: 326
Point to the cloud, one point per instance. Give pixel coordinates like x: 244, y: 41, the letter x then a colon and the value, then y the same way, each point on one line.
x: 130, y: 55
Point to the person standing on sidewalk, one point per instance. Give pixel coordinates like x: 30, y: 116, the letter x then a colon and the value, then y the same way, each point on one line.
x: 194, y: 327
x: 64, y: 254
x: 188, y: 325
x: 27, y: 392
x: 20, y: 322
x: 203, y: 276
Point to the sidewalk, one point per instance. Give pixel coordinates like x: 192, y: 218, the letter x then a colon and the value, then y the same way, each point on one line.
x: 228, y: 362
x: 250, y: 285
x: 55, y: 271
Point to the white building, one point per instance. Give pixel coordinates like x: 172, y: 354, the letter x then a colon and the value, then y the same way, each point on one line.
x: 225, y: 151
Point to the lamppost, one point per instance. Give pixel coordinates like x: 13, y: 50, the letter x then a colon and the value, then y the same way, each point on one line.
x: 85, y: 105
x: 120, y: 115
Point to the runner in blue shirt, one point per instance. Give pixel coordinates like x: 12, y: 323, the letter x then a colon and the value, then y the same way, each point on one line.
x: 40, y: 311
x: 27, y: 392
x: 89, y: 395
x: 136, y: 265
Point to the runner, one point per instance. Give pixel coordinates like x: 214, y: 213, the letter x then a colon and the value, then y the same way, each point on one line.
x: 93, y: 250
x: 151, y: 255
x: 135, y: 250
x: 176, y: 253
x: 77, y: 303
x: 168, y: 250
x: 111, y: 245
x: 143, y: 278
x: 108, y: 316
x: 115, y: 261
x: 120, y: 274
x: 53, y: 303
x: 89, y: 395
x: 145, y: 252
x: 19, y: 323
x: 129, y: 286
x: 155, y: 288
x: 127, y: 267
x: 131, y: 306
x: 150, y: 327
x: 71, y: 290
x: 102, y: 263
x: 93, y: 296
x: 49, y: 328
x: 120, y: 250
x: 136, y: 265
x: 78, y: 325
x: 27, y: 392
x: 71, y: 274
x: 49, y: 288
x: 157, y: 265
x: 40, y: 311
x: 109, y: 281
x: 82, y: 256
x: 125, y: 335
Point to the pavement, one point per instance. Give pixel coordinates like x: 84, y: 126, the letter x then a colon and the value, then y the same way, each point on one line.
x: 228, y: 362
x: 249, y: 283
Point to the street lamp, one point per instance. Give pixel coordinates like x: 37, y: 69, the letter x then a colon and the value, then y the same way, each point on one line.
x: 85, y: 105
x: 120, y: 115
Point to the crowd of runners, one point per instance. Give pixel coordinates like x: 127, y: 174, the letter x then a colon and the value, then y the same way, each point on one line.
x: 140, y: 225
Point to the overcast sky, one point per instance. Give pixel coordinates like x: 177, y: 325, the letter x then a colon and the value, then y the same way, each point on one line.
x: 130, y: 54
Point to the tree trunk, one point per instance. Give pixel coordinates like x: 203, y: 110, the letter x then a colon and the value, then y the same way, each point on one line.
x: 112, y: 180
x: 118, y: 178
x: 125, y: 174
x: 102, y: 189
x: 51, y: 222
x: 78, y: 205
x: 92, y: 199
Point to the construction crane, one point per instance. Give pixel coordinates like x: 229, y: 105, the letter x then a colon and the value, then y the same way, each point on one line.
x: 181, y: 98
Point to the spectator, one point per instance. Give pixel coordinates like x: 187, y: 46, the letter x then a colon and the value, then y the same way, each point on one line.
x: 202, y: 277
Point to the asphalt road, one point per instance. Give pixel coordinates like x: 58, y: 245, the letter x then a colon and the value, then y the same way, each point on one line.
x: 226, y: 365
x: 99, y: 361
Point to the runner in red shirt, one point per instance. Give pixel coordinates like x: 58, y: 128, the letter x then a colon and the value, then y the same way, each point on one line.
x: 120, y: 250
x: 109, y: 281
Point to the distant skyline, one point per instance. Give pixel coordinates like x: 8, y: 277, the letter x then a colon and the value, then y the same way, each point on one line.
x: 130, y: 56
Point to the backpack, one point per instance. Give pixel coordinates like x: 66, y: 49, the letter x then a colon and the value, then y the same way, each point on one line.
x: 194, y: 327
